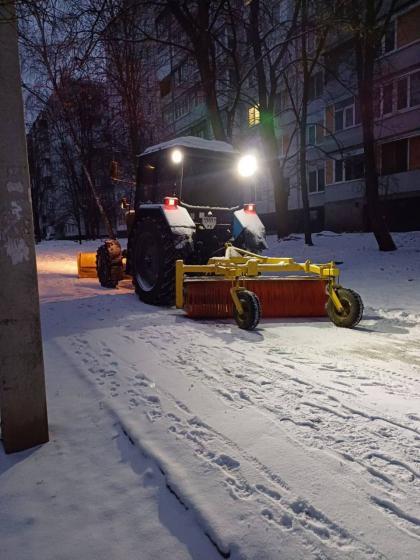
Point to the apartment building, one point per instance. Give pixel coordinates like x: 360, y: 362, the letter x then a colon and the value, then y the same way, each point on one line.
x: 335, y: 152
x: 334, y: 135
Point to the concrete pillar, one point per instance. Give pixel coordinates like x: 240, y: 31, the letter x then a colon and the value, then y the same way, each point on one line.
x: 23, y: 408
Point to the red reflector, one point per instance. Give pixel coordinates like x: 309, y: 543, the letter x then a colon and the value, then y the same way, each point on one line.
x: 250, y: 208
x: 170, y: 202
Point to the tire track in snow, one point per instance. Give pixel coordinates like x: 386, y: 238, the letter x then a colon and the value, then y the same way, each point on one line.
x: 273, y: 498
x: 280, y: 381
x: 356, y: 438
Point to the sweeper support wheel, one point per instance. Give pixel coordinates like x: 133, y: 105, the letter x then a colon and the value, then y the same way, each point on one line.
x: 352, y: 308
x: 249, y: 316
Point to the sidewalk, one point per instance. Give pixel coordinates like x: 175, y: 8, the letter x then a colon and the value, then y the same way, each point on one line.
x: 89, y: 493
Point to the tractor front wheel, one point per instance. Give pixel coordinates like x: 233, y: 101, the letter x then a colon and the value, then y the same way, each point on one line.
x: 251, y: 315
x: 352, y: 308
x: 109, y: 265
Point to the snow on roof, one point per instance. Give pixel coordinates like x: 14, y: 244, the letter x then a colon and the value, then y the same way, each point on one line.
x: 192, y: 142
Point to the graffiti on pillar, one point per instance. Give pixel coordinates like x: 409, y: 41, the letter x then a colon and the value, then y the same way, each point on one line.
x: 11, y: 216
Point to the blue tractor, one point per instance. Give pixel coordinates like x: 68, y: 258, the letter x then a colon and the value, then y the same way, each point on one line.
x: 192, y: 197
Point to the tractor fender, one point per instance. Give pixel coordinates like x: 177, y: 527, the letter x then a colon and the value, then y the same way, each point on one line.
x: 178, y: 221
x: 249, y: 231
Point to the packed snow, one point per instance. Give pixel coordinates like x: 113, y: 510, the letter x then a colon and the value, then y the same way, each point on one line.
x: 192, y: 142
x: 178, y: 438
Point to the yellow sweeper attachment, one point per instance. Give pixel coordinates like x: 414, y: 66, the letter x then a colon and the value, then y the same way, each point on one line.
x: 86, y: 265
x: 236, y: 285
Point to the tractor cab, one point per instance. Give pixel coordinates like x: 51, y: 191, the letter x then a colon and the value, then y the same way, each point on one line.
x: 198, y: 172
x: 192, y: 197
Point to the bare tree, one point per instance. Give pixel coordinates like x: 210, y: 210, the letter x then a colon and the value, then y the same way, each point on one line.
x: 369, y: 21
x: 315, y: 24
x: 271, y: 41
x: 61, y: 45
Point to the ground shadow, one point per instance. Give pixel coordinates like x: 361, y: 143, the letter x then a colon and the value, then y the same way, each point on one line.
x: 174, y: 514
x: 9, y: 461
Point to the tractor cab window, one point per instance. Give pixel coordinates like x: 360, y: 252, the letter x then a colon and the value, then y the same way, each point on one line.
x: 147, y: 180
x: 211, y: 181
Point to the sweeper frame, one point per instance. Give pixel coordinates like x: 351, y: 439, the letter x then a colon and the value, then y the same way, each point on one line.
x: 228, y: 279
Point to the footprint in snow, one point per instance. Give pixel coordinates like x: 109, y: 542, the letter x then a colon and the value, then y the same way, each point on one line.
x: 227, y: 462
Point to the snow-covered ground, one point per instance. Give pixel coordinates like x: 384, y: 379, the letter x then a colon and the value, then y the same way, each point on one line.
x: 174, y: 438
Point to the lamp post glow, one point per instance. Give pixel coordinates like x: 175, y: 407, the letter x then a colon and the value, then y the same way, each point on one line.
x: 177, y: 156
x: 247, y: 166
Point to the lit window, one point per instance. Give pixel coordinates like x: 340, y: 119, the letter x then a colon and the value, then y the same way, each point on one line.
x: 253, y: 116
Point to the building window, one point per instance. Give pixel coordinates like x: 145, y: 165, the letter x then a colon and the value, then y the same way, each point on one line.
x: 349, y: 169
x: 253, y: 116
x: 181, y: 74
x: 414, y: 89
x: 167, y: 115
x: 389, y: 37
x: 285, y: 143
x: 281, y: 101
x: 348, y: 117
x: 394, y: 157
x: 165, y: 86
x: 181, y: 107
x: 321, y: 179
x: 316, y: 180
x: 408, y: 29
x: 387, y: 96
x: 354, y: 168
x: 311, y: 134
x: 346, y: 114
x: 316, y: 86
x: 407, y: 95
x: 402, y: 93
x: 338, y: 170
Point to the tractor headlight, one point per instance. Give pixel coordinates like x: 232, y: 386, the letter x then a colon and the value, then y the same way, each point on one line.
x: 177, y: 156
x: 247, y: 165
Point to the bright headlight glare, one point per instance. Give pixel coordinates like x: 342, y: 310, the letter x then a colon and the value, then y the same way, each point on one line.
x: 177, y: 156
x: 247, y: 165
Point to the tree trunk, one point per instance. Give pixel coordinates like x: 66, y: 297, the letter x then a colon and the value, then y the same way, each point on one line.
x: 271, y: 158
x: 304, y: 180
x: 208, y: 79
x: 365, y: 59
x: 373, y: 202
x: 267, y: 132
x: 302, y: 132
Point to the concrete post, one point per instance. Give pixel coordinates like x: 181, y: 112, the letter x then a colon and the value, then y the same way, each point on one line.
x: 23, y: 406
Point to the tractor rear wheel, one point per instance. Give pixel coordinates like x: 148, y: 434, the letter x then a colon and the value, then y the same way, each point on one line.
x: 352, y: 309
x: 109, y: 265
x: 251, y: 315
x: 152, y: 261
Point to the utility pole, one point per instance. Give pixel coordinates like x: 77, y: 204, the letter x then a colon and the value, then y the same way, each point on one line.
x: 23, y: 408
